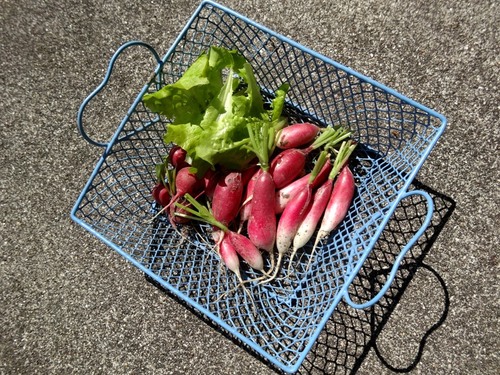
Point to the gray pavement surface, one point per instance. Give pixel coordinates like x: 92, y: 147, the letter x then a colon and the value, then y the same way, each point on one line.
x: 69, y: 304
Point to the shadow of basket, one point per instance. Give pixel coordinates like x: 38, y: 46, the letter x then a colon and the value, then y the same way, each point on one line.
x: 351, y: 333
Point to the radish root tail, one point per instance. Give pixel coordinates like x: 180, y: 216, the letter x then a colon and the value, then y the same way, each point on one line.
x: 276, y: 269
x: 319, y: 237
x: 156, y: 216
x: 292, y: 256
x: 241, y: 284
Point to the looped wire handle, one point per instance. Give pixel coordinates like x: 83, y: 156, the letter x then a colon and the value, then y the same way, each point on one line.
x: 399, y: 258
x: 79, y: 119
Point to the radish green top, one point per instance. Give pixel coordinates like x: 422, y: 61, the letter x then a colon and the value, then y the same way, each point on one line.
x: 343, y: 154
x: 199, y: 213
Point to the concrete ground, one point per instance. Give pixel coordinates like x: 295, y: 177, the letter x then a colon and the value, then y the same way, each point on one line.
x: 69, y: 304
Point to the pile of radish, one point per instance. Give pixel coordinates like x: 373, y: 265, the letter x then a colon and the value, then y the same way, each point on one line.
x: 272, y: 207
x: 265, y: 186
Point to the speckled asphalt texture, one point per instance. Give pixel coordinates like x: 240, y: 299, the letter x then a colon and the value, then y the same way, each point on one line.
x: 69, y: 304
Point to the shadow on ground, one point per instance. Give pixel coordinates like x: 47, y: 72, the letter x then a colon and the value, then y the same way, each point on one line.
x: 351, y: 334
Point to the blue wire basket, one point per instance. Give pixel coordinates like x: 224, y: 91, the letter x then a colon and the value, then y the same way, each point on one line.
x: 282, y: 320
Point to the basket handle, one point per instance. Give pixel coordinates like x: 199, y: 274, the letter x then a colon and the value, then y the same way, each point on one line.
x: 399, y: 258
x: 123, y: 47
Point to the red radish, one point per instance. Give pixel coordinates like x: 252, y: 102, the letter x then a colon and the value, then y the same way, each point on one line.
x: 209, y: 183
x: 178, y: 183
x: 164, y: 197
x: 155, y: 192
x: 248, y: 174
x: 288, y: 164
x: 293, y: 215
x: 186, y: 182
x: 247, y: 198
x: 261, y: 226
x: 297, y: 135
x: 177, y: 157
x: 161, y: 195
x: 285, y: 194
x: 227, y: 196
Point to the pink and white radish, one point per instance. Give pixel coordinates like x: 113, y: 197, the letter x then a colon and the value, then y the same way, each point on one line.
x: 285, y: 194
x: 296, y: 135
x: 288, y: 164
x: 340, y: 198
x: 321, y: 198
x: 293, y: 215
x: 246, y: 249
x: 242, y: 245
x: 230, y: 257
x: 308, y: 225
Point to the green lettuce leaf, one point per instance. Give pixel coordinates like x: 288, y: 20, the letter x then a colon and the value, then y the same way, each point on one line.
x: 210, y: 108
